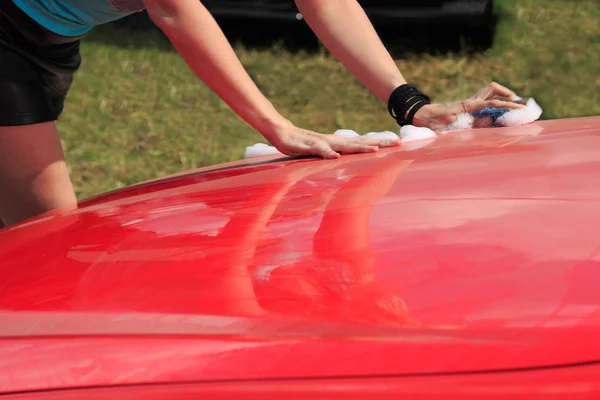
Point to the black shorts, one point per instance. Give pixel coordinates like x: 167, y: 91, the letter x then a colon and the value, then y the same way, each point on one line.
x: 36, y: 68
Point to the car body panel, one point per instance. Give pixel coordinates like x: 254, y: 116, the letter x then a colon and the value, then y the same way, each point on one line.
x: 474, y: 252
x: 573, y: 383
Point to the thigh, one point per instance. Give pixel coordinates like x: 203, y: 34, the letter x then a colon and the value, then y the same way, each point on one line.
x: 36, y: 70
x: 33, y: 173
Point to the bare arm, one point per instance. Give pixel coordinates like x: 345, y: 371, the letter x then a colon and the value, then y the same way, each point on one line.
x: 347, y: 32
x: 201, y: 43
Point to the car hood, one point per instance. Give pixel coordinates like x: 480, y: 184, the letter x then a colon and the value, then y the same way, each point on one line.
x: 477, y: 240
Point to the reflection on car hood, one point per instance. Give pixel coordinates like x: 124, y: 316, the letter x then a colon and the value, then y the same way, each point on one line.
x: 480, y: 238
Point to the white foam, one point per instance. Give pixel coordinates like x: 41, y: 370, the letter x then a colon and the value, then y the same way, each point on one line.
x: 463, y: 122
x: 409, y: 133
x: 384, y: 135
x: 259, y: 150
x: 346, y: 133
x: 414, y: 137
x: 527, y: 115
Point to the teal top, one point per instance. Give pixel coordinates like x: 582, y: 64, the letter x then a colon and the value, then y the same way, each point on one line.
x: 76, y: 17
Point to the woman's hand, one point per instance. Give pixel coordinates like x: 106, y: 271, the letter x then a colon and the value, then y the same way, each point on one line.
x: 294, y: 141
x: 437, y: 116
x: 495, y: 91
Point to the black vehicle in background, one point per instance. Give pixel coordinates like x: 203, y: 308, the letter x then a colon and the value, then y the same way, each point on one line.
x: 405, y: 20
x: 475, y: 13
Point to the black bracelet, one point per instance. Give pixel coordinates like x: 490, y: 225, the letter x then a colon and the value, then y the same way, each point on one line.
x: 410, y: 108
x: 413, y: 111
x: 402, y: 93
x: 403, y: 99
x: 400, y: 96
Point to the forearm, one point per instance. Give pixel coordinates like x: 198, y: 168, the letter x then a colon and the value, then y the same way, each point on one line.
x: 199, y: 40
x: 346, y: 31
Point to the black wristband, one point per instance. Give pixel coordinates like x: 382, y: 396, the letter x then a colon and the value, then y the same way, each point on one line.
x: 402, y: 99
x: 413, y: 111
x: 399, y: 96
x: 409, y: 105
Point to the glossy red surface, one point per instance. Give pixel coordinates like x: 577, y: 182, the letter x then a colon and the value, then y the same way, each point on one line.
x: 574, y: 383
x: 476, y: 252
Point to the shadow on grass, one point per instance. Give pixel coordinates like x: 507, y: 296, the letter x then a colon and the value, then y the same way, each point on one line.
x: 297, y: 37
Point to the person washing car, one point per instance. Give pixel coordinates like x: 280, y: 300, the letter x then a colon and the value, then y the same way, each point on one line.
x: 39, y: 53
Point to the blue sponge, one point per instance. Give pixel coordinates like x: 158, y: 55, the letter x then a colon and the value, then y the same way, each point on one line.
x: 494, y: 113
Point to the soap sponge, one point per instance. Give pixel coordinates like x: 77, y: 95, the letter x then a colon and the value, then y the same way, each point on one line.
x: 492, y: 117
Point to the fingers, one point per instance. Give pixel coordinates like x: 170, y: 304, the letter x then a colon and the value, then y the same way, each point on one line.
x: 361, y: 145
x: 472, y: 106
x: 381, y: 143
x: 494, y: 90
x: 328, y: 153
x: 351, y: 145
x: 330, y: 146
x: 312, y: 145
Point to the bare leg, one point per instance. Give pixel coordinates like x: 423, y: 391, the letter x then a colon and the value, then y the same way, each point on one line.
x: 33, y: 172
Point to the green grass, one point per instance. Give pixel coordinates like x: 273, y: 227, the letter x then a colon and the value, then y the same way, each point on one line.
x: 136, y: 112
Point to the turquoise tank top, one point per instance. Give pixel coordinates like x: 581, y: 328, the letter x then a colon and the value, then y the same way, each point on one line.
x: 77, y: 17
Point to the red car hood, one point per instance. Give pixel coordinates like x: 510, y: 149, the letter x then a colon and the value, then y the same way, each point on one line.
x: 477, y: 251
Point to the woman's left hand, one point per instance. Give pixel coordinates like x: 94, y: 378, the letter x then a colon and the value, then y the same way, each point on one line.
x: 294, y: 141
x: 437, y: 116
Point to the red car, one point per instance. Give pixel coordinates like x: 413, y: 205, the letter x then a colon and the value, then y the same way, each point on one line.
x: 463, y: 268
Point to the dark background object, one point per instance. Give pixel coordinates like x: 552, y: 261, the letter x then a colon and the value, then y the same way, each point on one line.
x: 404, y: 25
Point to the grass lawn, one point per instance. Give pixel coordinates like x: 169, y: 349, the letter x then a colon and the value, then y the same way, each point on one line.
x: 136, y: 112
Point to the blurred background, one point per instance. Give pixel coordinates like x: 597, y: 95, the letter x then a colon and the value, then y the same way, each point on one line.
x: 136, y: 112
